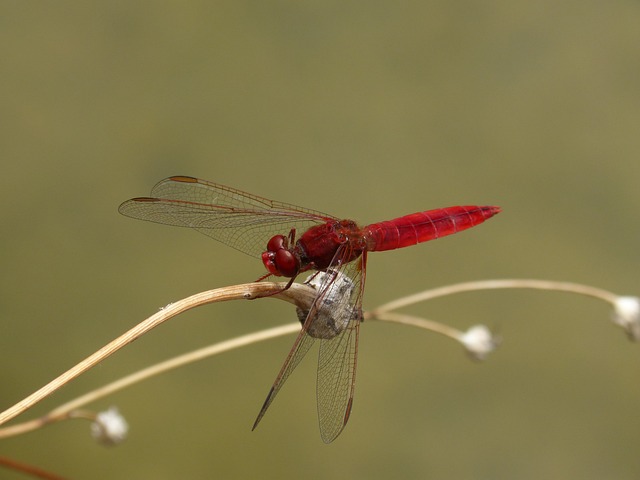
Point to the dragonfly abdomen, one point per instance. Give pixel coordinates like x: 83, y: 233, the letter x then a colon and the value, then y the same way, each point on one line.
x: 424, y: 226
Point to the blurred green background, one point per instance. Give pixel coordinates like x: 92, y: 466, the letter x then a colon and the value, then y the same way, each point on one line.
x: 367, y: 110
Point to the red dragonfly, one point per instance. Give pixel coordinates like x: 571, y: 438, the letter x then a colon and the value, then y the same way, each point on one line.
x: 335, y: 249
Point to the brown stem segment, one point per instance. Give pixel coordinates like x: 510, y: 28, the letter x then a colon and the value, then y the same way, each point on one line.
x: 298, y: 294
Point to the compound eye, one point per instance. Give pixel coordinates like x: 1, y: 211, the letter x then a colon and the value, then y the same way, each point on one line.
x: 277, y: 242
x: 286, y: 263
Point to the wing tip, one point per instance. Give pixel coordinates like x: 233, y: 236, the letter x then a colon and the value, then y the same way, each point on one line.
x: 263, y: 410
x: 330, y: 436
x: 124, y: 206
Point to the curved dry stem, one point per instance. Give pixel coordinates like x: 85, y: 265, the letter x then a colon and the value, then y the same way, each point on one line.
x: 298, y: 294
x: 28, y: 469
x: 30, y: 425
x: 419, y: 322
x: 68, y: 410
x: 174, y: 363
x: 497, y: 284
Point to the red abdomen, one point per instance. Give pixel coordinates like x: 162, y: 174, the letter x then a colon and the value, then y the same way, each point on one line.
x: 423, y: 226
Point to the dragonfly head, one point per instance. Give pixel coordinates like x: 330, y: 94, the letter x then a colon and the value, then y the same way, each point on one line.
x: 279, y: 259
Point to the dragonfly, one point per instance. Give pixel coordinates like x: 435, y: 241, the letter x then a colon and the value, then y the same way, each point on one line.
x: 291, y: 240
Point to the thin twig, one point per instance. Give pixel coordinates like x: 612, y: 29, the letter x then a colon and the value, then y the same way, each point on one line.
x: 419, y: 322
x: 495, y: 284
x: 176, y: 362
x: 69, y: 409
x: 28, y: 469
x: 299, y: 294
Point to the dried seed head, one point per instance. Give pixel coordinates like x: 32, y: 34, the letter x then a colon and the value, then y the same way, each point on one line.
x: 109, y: 428
x: 479, y: 341
x: 626, y: 314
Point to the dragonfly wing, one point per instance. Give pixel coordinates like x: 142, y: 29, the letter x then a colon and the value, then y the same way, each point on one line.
x: 335, y: 312
x: 300, y: 348
x: 337, y: 358
x: 197, y: 190
x: 238, y: 219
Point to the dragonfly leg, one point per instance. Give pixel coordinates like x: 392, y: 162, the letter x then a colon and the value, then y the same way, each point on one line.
x: 292, y: 236
x: 286, y: 287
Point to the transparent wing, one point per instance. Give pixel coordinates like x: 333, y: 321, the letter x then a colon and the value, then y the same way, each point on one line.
x: 334, y: 317
x: 300, y: 348
x: 337, y: 358
x: 238, y: 219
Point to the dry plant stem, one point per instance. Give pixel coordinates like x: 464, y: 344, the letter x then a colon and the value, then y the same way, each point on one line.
x: 419, y: 322
x: 48, y: 419
x: 173, y: 363
x: 299, y: 294
x: 28, y: 469
x: 31, y: 425
x: 496, y: 284
x: 68, y: 410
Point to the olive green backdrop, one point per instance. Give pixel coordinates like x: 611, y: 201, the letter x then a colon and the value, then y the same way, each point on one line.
x: 368, y: 110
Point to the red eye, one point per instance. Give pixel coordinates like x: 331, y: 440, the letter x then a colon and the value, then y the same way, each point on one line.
x: 286, y: 263
x: 277, y: 242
